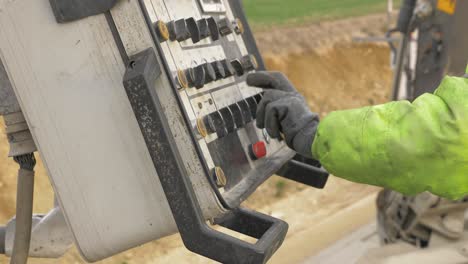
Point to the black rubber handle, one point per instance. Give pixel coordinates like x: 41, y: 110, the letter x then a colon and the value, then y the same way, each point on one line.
x: 405, y: 16
x: 306, y: 171
x: 269, y: 231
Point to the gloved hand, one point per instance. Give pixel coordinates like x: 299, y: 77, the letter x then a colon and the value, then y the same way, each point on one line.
x: 284, y: 112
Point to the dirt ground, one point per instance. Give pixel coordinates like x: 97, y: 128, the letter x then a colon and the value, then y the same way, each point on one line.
x: 333, y: 73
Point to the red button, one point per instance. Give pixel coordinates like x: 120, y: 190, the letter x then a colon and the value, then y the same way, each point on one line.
x: 258, y: 150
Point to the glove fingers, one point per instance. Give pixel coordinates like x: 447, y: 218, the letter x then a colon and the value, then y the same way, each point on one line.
x: 272, y: 122
x: 267, y: 98
x: 269, y: 80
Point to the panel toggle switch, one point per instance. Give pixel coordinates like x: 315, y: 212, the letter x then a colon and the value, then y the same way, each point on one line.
x: 178, y: 30
x: 203, y: 28
x: 213, y: 27
x: 228, y: 118
x: 228, y: 69
x: 245, y: 111
x: 249, y: 63
x: 258, y: 150
x: 196, y: 76
x: 225, y: 27
x: 237, y: 115
x: 210, y: 73
x: 238, y: 67
x: 253, y: 106
x: 193, y: 29
x: 219, y: 70
x: 212, y: 123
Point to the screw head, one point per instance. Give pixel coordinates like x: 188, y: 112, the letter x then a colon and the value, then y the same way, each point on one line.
x: 182, y: 79
x: 162, y: 30
x: 201, y: 127
x: 239, y: 26
x: 220, y: 177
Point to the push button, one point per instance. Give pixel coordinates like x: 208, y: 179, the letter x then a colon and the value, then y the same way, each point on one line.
x: 258, y: 150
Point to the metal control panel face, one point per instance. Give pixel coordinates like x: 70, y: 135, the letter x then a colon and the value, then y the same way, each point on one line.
x: 212, y: 6
x: 202, y: 42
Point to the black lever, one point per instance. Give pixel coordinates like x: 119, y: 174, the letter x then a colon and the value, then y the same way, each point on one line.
x: 306, y: 171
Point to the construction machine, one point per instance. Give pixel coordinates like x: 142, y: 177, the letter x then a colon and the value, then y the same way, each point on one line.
x: 434, y: 41
x: 429, y: 41
x: 140, y: 112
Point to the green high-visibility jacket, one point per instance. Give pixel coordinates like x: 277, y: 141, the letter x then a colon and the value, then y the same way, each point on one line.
x: 407, y: 147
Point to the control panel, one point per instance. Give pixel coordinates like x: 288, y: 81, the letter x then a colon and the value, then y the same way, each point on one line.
x: 149, y: 127
x: 203, y: 44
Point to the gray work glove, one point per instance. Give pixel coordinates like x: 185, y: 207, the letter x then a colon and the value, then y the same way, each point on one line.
x: 284, y: 112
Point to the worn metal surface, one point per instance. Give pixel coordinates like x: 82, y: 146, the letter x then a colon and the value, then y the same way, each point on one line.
x: 70, y: 10
x: 19, y: 136
x: 8, y: 102
x: 83, y: 124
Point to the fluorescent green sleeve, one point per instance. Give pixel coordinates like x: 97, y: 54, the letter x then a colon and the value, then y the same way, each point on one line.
x: 408, y: 147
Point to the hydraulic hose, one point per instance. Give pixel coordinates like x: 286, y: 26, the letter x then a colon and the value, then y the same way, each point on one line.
x: 24, y: 208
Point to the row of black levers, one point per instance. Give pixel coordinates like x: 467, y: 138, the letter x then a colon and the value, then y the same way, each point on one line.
x: 229, y: 119
x: 184, y: 29
x: 208, y: 72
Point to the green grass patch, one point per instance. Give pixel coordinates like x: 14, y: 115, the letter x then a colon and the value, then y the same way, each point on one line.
x: 274, y: 12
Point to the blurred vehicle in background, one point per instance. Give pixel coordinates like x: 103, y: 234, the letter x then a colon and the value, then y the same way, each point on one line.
x: 433, y: 44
